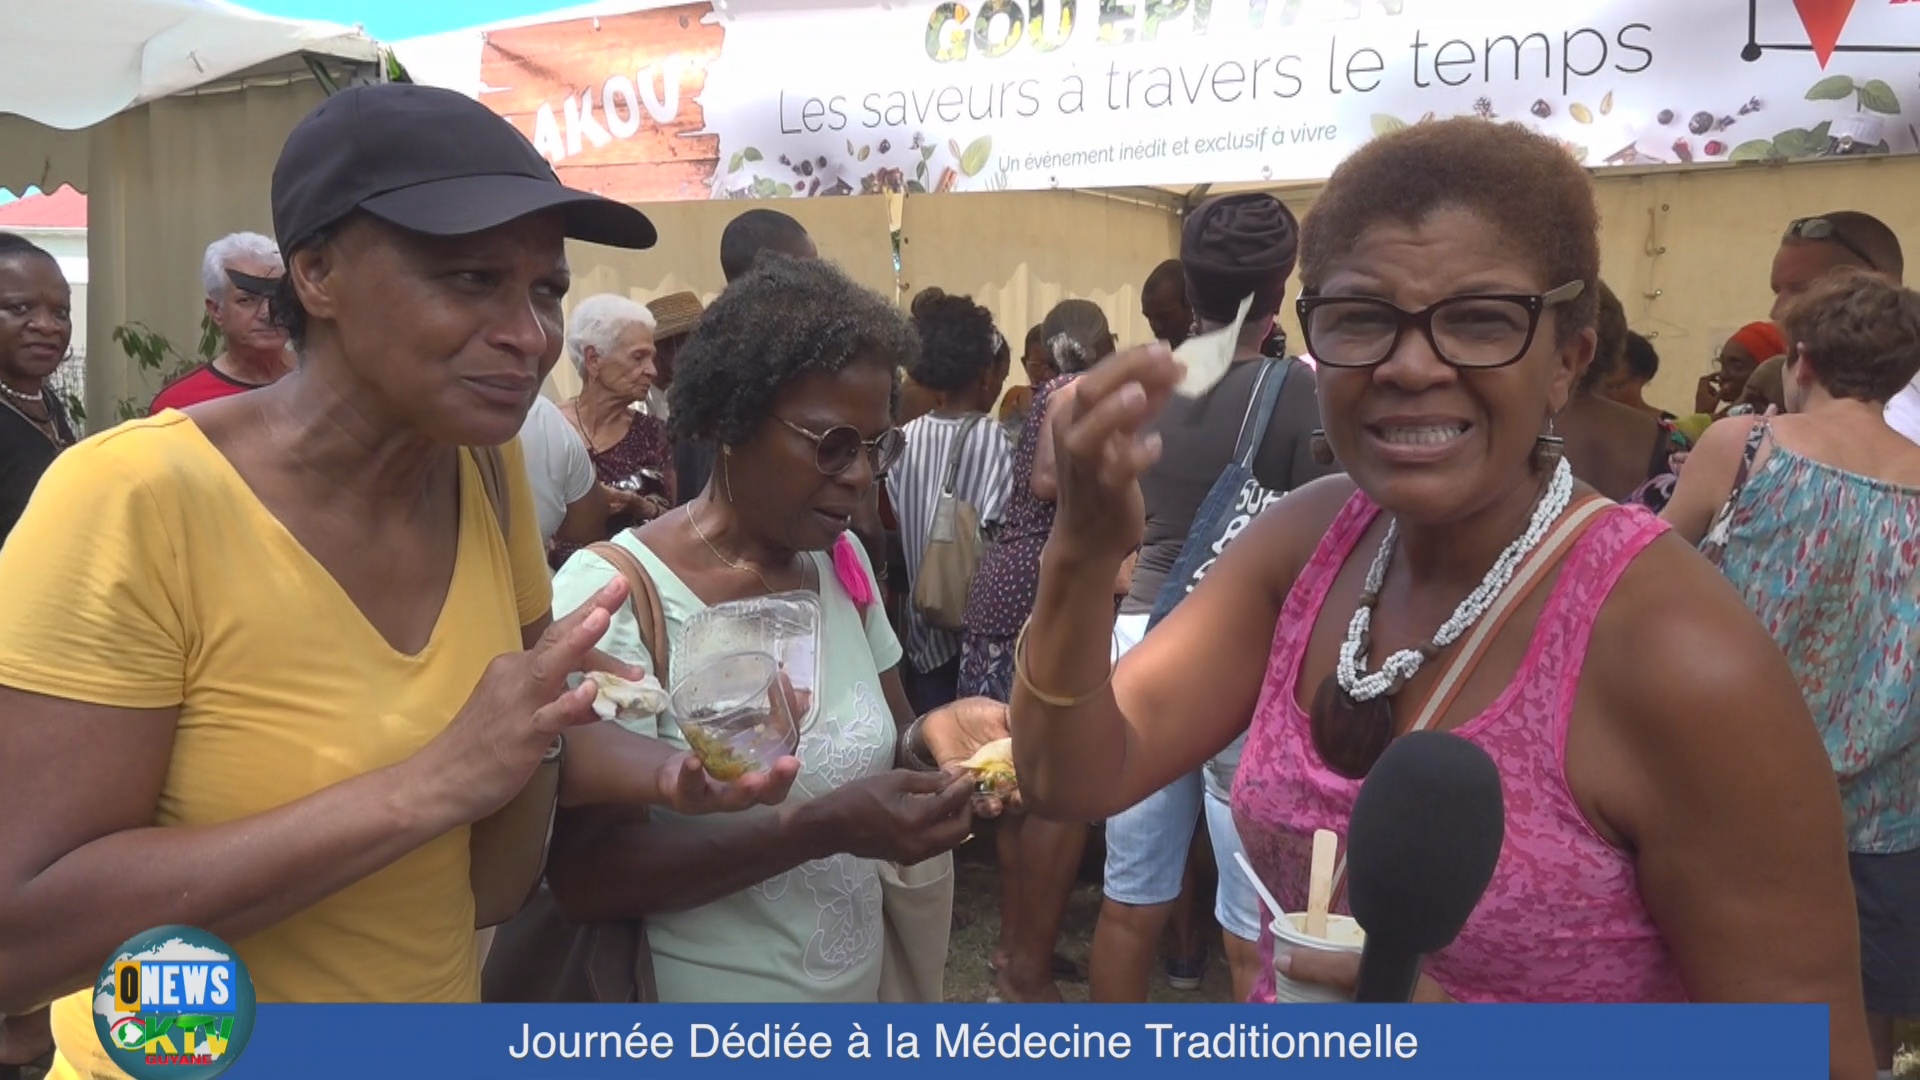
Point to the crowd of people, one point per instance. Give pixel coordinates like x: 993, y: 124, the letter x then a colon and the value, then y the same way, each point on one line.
x: 281, y: 649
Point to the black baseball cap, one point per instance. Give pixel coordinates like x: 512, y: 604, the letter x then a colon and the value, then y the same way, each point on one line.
x: 430, y: 160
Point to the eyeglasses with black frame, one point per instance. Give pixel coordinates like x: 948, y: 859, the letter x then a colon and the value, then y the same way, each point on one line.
x: 1476, y: 330
x: 1819, y: 228
x: 836, y: 449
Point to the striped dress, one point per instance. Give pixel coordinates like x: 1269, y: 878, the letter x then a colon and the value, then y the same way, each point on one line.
x: 913, y: 484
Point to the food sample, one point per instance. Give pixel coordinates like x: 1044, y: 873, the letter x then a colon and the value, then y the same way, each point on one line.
x: 731, y: 746
x: 992, y: 768
x: 620, y: 699
x: 1207, y: 357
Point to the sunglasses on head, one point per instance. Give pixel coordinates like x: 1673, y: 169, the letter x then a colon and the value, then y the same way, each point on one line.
x: 836, y: 449
x: 1819, y: 228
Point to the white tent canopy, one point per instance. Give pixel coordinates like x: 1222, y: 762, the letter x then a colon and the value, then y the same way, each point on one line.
x: 169, y: 114
x: 72, y: 63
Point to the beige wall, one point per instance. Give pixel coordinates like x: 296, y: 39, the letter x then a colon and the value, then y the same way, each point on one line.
x: 854, y: 232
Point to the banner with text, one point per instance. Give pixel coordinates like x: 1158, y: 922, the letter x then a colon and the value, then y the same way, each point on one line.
x: 846, y: 1042
x: 775, y: 98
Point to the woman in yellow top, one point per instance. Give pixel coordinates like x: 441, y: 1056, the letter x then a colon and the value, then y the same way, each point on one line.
x: 260, y: 661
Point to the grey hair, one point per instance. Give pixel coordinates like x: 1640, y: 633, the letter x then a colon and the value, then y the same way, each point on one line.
x: 222, y: 253
x: 599, y: 320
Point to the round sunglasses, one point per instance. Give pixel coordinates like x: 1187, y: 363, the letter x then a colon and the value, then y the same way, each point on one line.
x: 837, y: 448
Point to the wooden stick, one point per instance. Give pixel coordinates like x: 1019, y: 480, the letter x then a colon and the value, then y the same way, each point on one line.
x: 1320, y: 882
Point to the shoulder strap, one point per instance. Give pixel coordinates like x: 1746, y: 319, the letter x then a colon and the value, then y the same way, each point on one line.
x: 953, y: 455
x: 493, y: 480
x: 1260, y: 405
x: 649, y: 614
x: 1754, y: 438
x: 1531, y: 573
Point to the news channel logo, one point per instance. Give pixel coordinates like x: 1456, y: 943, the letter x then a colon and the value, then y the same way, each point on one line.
x: 175, y: 1003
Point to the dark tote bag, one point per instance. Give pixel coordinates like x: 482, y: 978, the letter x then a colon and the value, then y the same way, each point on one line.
x: 1235, y: 499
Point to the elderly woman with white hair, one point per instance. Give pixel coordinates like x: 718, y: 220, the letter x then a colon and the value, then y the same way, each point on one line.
x: 610, y: 341
x: 240, y: 271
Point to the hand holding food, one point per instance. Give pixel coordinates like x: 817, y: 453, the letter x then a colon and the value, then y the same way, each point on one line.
x: 1102, y: 446
x: 901, y: 815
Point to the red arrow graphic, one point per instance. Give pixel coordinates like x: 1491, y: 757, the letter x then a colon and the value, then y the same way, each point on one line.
x: 1824, y: 20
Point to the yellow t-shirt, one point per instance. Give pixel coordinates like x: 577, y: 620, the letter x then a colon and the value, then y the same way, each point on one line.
x: 145, y: 574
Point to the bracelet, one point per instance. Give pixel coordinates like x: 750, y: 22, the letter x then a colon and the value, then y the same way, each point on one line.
x: 1055, y: 700
x: 910, y: 746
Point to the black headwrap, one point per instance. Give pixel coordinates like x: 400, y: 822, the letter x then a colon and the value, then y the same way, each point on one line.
x: 1235, y: 245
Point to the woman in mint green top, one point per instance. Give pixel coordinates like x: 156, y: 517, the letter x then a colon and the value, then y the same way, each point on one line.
x: 1815, y: 517
x: 792, y: 374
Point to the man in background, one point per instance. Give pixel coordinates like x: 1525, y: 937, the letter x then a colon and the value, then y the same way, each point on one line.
x: 240, y: 272
x: 1163, y: 302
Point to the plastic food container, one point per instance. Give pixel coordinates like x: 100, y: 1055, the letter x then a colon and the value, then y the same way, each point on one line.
x: 735, y: 714
x: 1343, y: 935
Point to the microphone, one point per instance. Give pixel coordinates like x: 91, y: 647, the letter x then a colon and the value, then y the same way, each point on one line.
x: 1425, y: 835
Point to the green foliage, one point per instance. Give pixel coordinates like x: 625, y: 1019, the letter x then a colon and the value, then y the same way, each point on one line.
x: 152, y: 353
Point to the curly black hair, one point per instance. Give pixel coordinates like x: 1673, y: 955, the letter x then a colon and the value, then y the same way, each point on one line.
x: 1610, y: 342
x: 780, y: 320
x: 957, y: 342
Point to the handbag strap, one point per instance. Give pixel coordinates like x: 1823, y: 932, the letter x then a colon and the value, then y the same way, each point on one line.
x: 1529, y: 577
x: 1260, y: 405
x: 649, y: 614
x: 953, y: 456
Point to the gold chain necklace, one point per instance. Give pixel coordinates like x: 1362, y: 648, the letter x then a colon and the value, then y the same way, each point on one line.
x: 745, y: 568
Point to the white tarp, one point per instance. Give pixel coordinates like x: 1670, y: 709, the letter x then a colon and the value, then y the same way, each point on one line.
x: 70, y: 64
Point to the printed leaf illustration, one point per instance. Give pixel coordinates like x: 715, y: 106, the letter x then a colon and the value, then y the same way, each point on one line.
x: 926, y: 153
x: 1797, y: 143
x: 1606, y: 104
x: 751, y: 154
x: 1426, y: 117
x: 1879, y: 97
x: 864, y: 152
x: 1579, y: 154
x: 849, y: 147
x: 1832, y: 88
x: 1753, y: 150
x: 1822, y: 132
x: 1580, y: 112
x: 953, y: 147
x: 1387, y: 125
x: 979, y: 152
x: 763, y: 188
x: 921, y: 172
x: 785, y: 191
x: 915, y: 187
x: 734, y: 163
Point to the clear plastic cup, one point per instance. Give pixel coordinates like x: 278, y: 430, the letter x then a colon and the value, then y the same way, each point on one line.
x: 734, y: 712
x: 1343, y: 935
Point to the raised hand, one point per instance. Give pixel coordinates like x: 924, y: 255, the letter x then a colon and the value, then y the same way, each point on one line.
x: 521, y: 704
x: 1100, y: 451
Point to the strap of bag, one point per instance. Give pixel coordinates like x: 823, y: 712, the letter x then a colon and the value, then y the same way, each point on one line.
x: 1531, y: 573
x: 493, y: 480
x: 649, y: 614
x: 953, y: 456
x: 1260, y: 406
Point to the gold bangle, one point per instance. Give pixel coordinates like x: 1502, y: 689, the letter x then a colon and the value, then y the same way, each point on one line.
x: 1053, y: 700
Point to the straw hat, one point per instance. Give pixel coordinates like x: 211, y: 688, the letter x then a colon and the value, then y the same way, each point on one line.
x: 676, y: 314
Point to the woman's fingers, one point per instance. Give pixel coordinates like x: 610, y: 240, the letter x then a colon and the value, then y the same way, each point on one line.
x: 566, y: 645
x: 1337, y: 970
x: 690, y: 790
x: 571, y: 709
x: 600, y: 661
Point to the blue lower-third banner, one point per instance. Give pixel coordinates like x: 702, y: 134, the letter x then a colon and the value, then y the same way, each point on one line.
x: 959, y: 1041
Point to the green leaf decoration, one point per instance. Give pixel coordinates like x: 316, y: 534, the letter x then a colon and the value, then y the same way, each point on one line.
x: 1798, y: 143
x: 1753, y: 150
x: 751, y: 154
x: 915, y: 187
x: 864, y: 152
x: 1877, y: 96
x: 734, y: 163
x: 953, y: 147
x: 926, y: 153
x: 1387, y: 125
x: 783, y: 190
x: 978, y: 153
x: 849, y: 147
x: 1822, y: 132
x: 921, y: 172
x: 764, y: 188
x: 1832, y: 88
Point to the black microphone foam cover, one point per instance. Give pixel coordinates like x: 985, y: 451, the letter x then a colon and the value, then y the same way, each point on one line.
x: 1424, y: 838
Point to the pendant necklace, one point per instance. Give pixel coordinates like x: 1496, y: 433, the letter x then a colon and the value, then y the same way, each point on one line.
x: 1354, y: 706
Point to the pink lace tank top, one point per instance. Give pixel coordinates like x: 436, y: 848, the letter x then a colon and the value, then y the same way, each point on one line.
x: 1562, y: 920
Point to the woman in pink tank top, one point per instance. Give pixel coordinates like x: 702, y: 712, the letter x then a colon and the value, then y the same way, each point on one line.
x: 1673, y: 832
